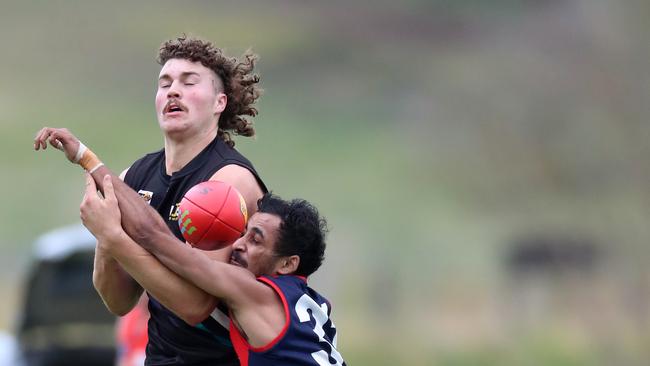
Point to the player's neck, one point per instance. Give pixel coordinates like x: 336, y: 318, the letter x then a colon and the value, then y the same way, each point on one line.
x: 179, y: 152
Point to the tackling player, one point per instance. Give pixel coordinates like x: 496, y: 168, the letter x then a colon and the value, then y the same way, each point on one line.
x: 275, y: 317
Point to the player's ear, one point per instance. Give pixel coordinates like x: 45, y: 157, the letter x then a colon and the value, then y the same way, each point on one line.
x: 220, y: 103
x: 288, y: 265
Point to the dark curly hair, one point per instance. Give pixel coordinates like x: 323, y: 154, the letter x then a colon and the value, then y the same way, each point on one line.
x: 302, y: 231
x: 237, y: 77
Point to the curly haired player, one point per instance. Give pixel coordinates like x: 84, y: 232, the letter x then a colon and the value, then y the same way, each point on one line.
x: 203, y: 99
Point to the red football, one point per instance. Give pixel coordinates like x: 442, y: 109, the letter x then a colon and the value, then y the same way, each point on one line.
x: 212, y: 215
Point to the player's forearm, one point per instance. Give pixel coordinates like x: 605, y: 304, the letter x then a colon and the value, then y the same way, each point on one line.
x: 117, y: 289
x: 184, y: 299
x: 219, y: 279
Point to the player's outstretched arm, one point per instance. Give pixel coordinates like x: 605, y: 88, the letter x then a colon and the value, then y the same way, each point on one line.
x: 139, y: 220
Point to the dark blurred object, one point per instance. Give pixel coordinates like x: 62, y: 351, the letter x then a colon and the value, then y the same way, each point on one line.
x: 64, y: 321
x: 554, y: 278
x: 552, y: 254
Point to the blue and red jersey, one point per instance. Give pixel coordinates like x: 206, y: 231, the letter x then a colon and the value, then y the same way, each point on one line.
x: 308, y: 336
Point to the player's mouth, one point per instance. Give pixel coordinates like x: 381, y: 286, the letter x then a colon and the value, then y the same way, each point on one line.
x: 174, y: 107
x: 236, y: 260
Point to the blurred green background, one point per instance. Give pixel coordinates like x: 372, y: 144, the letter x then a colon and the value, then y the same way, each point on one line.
x: 439, y: 138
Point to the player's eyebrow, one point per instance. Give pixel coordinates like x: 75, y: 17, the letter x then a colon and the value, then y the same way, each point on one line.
x: 184, y: 75
x: 258, y: 231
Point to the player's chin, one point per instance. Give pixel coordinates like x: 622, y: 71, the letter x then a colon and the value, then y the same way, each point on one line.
x: 173, y: 124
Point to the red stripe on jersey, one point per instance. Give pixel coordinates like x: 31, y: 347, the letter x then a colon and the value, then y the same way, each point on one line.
x: 241, y: 345
x: 287, y: 319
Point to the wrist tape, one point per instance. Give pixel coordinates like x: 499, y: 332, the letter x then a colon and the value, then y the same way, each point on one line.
x: 87, y: 159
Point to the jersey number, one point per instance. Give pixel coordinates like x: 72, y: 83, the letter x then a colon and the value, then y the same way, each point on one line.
x: 319, y: 314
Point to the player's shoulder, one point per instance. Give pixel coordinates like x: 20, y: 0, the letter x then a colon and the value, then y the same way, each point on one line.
x: 246, y: 182
x: 147, y: 159
x: 285, y: 282
x: 227, y: 152
x: 233, y: 173
x: 143, y: 166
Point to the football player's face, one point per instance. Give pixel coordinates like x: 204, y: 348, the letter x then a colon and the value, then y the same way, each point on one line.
x: 188, y: 98
x: 255, y: 250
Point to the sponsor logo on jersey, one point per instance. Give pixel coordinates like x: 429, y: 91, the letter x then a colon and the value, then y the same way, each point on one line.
x: 174, y: 211
x: 146, y: 195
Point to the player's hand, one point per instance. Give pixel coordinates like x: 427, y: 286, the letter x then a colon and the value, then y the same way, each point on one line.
x: 101, y: 215
x: 59, y: 138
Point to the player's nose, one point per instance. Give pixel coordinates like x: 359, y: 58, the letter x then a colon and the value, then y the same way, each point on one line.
x: 173, y: 91
x: 238, y: 245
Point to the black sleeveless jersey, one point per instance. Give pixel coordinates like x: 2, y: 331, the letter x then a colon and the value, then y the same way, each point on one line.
x: 171, y: 340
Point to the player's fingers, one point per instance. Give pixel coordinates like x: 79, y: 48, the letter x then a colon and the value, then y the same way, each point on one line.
x: 91, y: 188
x: 63, y: 140
x: 37, y: 138
x: 58, y: 134
x: 56, y: 143
x: 85, y: 208
x: 88, y: 194
x: 39, y: 141
x: 109, y: 192
x: 55, y: 136
x: 84, y: 202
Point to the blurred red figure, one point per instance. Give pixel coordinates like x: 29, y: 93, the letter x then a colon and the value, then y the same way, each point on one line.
x: 132, y: 335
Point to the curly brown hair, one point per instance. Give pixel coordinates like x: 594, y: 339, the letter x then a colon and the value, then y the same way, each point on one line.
x: 237, y: 78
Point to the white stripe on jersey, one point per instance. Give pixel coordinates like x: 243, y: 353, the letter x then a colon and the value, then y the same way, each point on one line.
x: 221, y: 318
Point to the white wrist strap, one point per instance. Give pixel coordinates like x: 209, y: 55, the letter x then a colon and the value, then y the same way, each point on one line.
x: 80, y: 152
x: 91, y: 171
